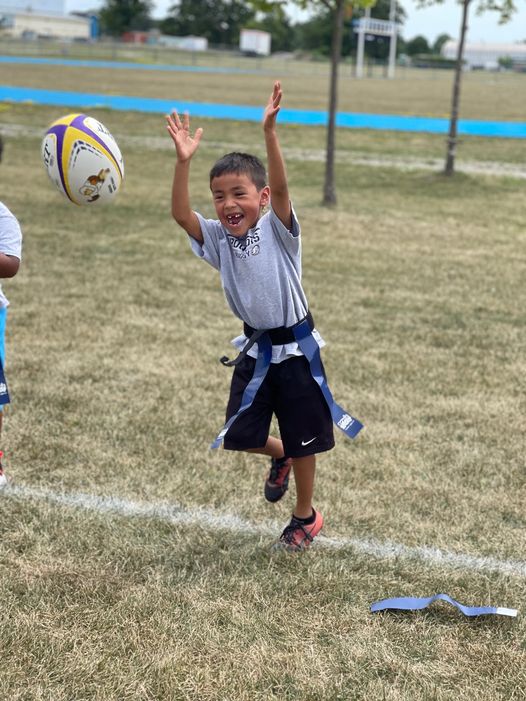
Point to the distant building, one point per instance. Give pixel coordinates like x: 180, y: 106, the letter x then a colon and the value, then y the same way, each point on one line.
x: 135, y: 37
x: 486, y: 55
x: 34, y: 19
x: 189, y: 43
x: 33, y: 25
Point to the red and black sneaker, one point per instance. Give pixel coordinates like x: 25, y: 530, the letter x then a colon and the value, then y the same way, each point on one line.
x: 277, y: 481
x: 298, y: 535
x: 3, y: 478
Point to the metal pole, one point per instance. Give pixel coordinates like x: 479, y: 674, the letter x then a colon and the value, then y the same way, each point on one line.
x: 361, y: 43
x: 392, y: 41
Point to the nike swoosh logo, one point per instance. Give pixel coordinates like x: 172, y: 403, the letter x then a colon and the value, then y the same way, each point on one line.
x: 307, y: 442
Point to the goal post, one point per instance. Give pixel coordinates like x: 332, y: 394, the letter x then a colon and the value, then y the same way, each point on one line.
x: 378, y: 27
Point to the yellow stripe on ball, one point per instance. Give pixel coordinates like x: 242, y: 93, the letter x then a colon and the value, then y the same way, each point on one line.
x: 66, y: 120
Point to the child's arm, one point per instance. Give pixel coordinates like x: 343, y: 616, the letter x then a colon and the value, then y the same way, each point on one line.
x: 8, y: 265
x: 277, y: 176
x: 185, y: 146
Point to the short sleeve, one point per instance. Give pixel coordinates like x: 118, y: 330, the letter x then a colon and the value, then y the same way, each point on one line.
x: 279, y: 227
x: 289, y: 240
x: 212, y: 232
x: 10, y: 234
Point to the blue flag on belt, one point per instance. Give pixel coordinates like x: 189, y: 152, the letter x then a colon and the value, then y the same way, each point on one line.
x: 409, y: 603
x: 4, y: 394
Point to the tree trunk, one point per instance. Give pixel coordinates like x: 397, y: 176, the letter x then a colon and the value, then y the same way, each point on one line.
x: 329, y: 191
x: 453, y: 120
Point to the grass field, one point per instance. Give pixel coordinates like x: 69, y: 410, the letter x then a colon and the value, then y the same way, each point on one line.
x: 170, y: 591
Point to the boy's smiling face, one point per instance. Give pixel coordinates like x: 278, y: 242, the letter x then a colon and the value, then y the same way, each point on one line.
x: 238, y: 202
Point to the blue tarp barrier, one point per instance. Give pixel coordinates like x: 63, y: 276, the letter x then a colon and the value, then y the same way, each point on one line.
x: 78, y: 100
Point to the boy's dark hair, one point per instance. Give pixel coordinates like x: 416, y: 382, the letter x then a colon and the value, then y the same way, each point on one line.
x: 241, y: 163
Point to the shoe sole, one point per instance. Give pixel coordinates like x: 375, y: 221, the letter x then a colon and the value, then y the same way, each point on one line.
x: 274, y: 496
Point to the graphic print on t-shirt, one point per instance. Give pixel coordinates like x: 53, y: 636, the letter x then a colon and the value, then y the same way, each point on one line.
x: 247, y: 245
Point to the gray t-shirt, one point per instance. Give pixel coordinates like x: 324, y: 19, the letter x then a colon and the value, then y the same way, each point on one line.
x: 261, y: 275
x: 10, y: 240
x: 260, y: 272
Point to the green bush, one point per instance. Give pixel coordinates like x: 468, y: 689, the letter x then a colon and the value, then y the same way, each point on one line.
x: 432, y: 61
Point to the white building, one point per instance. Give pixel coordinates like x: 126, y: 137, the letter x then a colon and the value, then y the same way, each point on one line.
x: 33, y: 25
x: 189, y: 43
x: 32, y: 19
x: 486, y: 55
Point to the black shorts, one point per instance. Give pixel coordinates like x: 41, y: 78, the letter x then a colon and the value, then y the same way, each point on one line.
x: 290, y: 392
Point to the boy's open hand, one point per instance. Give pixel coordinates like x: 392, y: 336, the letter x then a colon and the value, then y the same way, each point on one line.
x: 185, y: 144
x: 272, y: 108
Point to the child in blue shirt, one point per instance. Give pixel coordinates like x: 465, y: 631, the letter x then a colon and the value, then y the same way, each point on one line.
x: 10, y: 254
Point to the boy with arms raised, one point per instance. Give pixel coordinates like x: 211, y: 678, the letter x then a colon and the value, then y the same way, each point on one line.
x: 259, y: 259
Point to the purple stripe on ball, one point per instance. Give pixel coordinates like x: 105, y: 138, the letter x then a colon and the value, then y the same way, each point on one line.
x: 59, y: 130
x: 78, y: 123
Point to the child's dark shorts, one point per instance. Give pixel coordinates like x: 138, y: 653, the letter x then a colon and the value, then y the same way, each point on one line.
x: 290, y: 392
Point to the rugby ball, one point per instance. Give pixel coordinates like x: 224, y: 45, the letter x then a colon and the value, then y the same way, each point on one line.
x: 82, y: 159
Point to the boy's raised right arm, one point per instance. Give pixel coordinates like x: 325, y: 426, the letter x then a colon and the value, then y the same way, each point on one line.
x: 185, y: 146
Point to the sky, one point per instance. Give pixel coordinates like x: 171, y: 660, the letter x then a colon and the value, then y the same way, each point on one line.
x: 429, y: 22
x: 445, y: 19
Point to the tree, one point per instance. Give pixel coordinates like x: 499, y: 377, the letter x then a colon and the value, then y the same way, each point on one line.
x: 417, y: 45
x: 220, y: 21
x: 505, y: 62
x: 329, y: 187
x: 337, y: 9
x: 315, y: 34
x: 505, y: 8
x: 275, y: 22
x: 439, y: 43
x: 119, y: 16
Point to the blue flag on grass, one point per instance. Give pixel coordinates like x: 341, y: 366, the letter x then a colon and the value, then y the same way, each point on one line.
x: 409, y: 603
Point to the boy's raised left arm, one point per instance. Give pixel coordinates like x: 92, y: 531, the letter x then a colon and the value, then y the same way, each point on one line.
x: 277, y: 175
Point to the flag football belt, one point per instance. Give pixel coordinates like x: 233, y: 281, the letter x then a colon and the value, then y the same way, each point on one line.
x: 4, y: 393
x: 300, y: 333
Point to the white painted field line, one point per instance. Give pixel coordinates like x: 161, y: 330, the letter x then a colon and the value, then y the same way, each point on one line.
x: 168, y: 513
x: 205, y: 518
